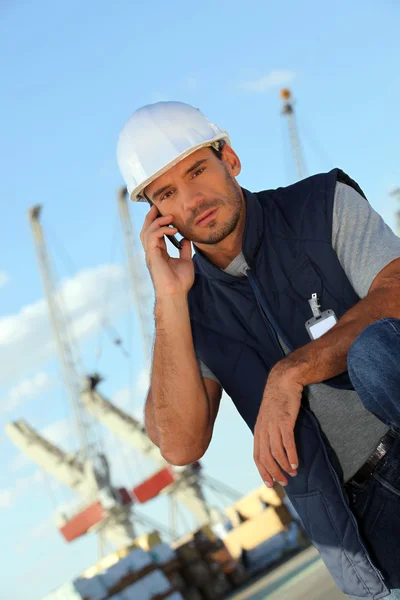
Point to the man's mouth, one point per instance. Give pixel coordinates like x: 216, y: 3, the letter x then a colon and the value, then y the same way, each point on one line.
x: 206, y: 217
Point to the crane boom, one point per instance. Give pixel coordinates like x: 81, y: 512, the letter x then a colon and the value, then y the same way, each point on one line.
x: 78, y: 476
x: 67, y: 469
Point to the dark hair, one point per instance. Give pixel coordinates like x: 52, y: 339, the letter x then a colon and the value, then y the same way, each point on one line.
x: 218, y: 151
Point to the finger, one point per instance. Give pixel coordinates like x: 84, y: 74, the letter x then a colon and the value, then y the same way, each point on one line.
x: 265, y: 475
x: 186, y: 250
x: 273, y: 468
x: 159, y: 234
x: 156, y: 226
x: 269, y: 467
x: 290, y: 447
x: 159, y: 222
x: 153, y: 218
x: 267, y: 455
x: 279, y: 453
x: 151, y: 215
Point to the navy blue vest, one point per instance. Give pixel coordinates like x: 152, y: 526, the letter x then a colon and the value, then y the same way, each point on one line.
x: 288, y: 246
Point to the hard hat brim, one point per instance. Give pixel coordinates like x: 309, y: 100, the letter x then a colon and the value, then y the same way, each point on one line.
x: 135, y: 194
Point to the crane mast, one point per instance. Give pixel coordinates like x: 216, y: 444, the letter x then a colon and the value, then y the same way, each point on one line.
x: 64, y: 347
x: 87, y: 472
x: 289, y: 113
x: 138, y: 278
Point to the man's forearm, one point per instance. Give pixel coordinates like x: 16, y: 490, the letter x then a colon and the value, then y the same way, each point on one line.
x: 326, y: 357
x: 150, y: 421
x: 178, y: 398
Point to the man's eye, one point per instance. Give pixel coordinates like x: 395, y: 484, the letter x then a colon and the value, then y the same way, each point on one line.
x: 166, y: 195
x: 198, y: 172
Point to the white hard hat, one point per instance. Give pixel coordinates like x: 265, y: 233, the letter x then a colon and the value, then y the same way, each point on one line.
x: 157, y: 137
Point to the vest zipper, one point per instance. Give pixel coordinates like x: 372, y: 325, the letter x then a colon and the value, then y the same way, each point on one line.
x: 274, y: 328
x: 339, y: 486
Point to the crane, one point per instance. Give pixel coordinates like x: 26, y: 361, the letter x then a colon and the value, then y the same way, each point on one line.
x: 106, y: 507
x: 84, y: 429
x: 88, y: 471
x: 288, y: 112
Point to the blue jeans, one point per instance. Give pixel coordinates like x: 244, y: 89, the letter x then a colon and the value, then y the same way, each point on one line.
x: 374, y: 369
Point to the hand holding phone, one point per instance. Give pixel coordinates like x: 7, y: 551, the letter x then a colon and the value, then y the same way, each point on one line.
x: 171, y: 237
x: 171, y: 276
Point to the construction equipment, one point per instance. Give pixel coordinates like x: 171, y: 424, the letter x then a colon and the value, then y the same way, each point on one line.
x: 106, y: 509
x: 87, y: 472
x: 289, y: 113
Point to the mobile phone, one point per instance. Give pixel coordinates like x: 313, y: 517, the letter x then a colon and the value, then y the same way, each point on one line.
x: 172, y: 238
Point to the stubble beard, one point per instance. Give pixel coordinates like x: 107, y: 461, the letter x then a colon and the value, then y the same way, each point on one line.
x: 216, y: 232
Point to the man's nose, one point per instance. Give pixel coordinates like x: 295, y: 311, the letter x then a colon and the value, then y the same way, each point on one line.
x: 193, y: 199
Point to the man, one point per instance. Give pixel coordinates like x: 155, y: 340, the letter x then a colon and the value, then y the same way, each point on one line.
x: 254, y: 313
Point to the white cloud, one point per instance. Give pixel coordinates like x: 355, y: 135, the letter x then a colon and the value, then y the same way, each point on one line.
x: 26, y: 339
x: 191, y: 83
x: 24, y: 391
x: 4, y: 278
x: 268, y: 82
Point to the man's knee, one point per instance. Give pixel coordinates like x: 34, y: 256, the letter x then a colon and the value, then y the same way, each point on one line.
x: 370, y: 349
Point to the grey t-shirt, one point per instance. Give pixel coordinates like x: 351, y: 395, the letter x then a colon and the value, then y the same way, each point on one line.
x: 364, y: 245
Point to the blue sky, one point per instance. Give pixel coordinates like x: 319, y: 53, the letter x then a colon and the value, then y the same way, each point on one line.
x: 71, y: 74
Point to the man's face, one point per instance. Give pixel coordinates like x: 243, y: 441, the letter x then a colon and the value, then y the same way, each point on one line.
x: 202, y: 195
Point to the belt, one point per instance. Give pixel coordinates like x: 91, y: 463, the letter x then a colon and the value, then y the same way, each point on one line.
x: 367, y: 470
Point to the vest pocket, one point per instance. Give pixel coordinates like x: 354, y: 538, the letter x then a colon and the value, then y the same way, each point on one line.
x: 305, y: 280
x: 317, y: 520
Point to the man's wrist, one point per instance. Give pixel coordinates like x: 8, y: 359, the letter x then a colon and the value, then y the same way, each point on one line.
x: 292, y: 369
x: 170, y: 308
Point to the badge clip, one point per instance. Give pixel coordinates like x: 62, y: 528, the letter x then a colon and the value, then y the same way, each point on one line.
x: 315, y: 306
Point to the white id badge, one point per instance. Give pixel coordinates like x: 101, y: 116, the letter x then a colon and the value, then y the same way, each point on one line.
x: 317, y: 326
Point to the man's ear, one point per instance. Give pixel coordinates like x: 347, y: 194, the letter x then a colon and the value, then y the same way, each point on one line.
x: 231, y: 159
